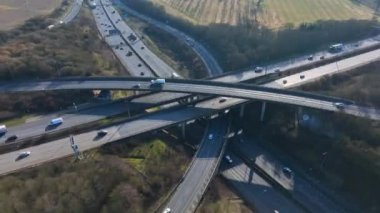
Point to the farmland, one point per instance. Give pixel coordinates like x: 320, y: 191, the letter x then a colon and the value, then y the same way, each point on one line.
x: 271, y: 13
x: 15, y: 12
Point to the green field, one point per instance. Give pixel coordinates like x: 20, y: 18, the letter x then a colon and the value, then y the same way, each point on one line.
x: 271, y: 13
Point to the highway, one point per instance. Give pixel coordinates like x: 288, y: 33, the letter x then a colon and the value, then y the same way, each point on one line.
x: 60, y: 148
x: 256, y: 191
x: 242, y: 91
x: 132, y: 62
x: 35, y: 128
x: 72, y: 13
x: 210, y: 62
x: 311, y: 196
x: 152, y: 98
x: 202, y: 169
x: 159, y: 67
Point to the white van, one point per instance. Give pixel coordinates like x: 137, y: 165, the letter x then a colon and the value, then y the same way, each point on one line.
x: 3, y: 129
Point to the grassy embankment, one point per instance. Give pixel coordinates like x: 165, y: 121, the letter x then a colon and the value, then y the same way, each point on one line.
x: 219, y: 198
x: 123, y: 177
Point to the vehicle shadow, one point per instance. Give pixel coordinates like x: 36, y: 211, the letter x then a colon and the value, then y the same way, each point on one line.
x: 51, y: 127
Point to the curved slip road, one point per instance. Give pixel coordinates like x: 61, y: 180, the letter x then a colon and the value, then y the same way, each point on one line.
x: 202, y: 169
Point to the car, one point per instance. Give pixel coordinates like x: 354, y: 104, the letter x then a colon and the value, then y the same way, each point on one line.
x: 11, y: 138
x: 222, y: 100
x: 322, y: 57
x: 284, y: 81
x: 102, y: 133
x: 339, y: 105
x: 137, y: 86
x: 287, y: 172
x: 167, y: 210
x: 310, y: 58
x: 60, y: 22
x: 228, y: 158
x: 259, y: 69
x: 142, y: 73
x: 23, y: 155
x: 142, y: 48
x: 139, y: 65
x: 302, y: 76
x: 210, y: 136
x: 129, y: 53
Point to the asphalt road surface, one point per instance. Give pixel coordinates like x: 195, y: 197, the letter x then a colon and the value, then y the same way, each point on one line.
x: 310, y: 196
x: 256, y: 191
x: 202, y: 169
x: 72, y: 13
x: 153, y: 61
x: 60, y: 148
x: 132, y: 62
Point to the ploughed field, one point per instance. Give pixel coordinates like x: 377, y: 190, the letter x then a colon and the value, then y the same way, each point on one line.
x: 271, y: 13
x: 15, y: 12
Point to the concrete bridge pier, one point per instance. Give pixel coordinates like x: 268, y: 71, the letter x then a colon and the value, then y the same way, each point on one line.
x: 263, y: 107
x: 298, y: 116
x: 183, y: 130
x: 242, y: 109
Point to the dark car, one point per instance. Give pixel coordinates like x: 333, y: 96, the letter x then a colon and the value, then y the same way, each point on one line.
x: 11, y: 138
x: 310, y: 58
x: 102, y: 133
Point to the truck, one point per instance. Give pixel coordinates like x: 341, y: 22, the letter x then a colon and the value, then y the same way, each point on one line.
x: 3, y: 129
x: 158, y: 81
x: 335, y: 48
x: 56, y: 121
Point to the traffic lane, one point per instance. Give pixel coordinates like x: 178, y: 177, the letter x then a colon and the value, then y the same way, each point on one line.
x: 254, y: 189
x: 73, y: 12
x: 57, y: 149
x: 328, y: 69
x: 189, y: 192
x: 70, y: 119
x: 310, y: 196
x: 132, y: 63
x: 161, y: 68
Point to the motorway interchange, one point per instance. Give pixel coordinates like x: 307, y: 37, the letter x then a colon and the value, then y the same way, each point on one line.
x: 149, y: 64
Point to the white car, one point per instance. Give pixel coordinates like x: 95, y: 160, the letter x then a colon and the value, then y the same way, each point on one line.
x: 210, y: 136
x: 167, y: 210
x: 229, y: 159
x: 339, y: 105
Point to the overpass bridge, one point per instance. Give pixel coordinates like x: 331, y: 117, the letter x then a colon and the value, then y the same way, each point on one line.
x: 241, y: 91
